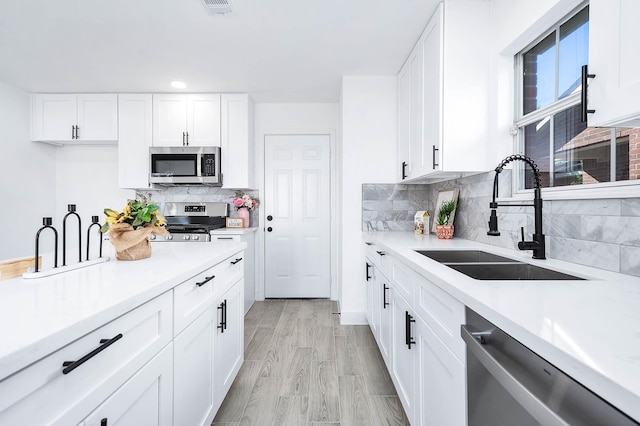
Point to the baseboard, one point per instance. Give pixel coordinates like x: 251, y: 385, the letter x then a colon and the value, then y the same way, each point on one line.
x: 353, y: 318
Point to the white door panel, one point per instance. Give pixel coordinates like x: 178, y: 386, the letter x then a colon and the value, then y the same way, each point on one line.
x: 297, y: 198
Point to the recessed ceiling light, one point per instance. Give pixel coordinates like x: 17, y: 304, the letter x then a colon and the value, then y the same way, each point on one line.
x: 178, y: 84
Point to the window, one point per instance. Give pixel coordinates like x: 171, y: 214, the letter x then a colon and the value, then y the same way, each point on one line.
x: 550, y: 130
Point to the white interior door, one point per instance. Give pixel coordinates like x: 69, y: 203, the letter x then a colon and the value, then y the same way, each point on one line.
x: 297, y: 211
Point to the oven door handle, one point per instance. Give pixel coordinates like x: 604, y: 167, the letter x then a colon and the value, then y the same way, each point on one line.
x: 537, y: 408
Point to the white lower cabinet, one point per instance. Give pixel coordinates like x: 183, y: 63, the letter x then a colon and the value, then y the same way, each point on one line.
x: 194, y: 376
x: 229, y: 342
x: 169, y: 361
x: 404, y: 354
x: 145, y: 399
x: 416, y: 325
x: 441, y: 381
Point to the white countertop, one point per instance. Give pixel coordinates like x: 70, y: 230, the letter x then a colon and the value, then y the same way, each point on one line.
x: 588, y: 329
x: 38, y: 316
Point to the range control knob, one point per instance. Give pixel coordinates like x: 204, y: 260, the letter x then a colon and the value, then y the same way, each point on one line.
x: 187, y: 237
x: 196, y: 237
x: 152, y: 237
x: 169, y: 237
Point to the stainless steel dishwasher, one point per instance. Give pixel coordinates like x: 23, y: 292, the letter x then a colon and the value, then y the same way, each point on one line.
x: 508, y: 384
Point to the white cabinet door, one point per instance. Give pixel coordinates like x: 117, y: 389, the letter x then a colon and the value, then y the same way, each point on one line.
x: 614, y: 58
x: 404, y: 121
x: 442, y: 381
x: 386, y: 322
x: 145, y: 399
x: 229, y: 340
x: 237, y: 141
x: 97, y: 118
x: 203, y: 120
x: 53, y: 117
x: 432, y: 58
x: 194, y: 392
x: 416, y: 165
x: 186, y: 120
x: 135, y: 138
x: 403, y: 359
x: 169, y: 120
x: 71, y: 118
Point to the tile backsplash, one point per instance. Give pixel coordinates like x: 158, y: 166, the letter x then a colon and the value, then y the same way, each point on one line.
x: 201, y: 194
x: 600, y: 233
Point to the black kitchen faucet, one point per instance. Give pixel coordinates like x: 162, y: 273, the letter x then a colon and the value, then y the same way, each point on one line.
x: 537, y: 243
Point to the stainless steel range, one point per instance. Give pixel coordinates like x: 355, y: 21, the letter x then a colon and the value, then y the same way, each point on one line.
x: 192, y: 222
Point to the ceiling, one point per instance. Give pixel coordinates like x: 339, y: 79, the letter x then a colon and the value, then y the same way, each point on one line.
x: 278, y: 50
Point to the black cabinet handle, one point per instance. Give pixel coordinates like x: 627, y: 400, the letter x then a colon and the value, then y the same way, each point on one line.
x: 187, y: 138
x: 368, y: 243
x: 381, y: 253
x: 77, y: 132
x: 103, y: 422
x: 404, y: 170
x: 384, y: 296
x: 206, y: 280
x: 183, y: 138
x: 223, y: 316
x: 367, y: 271
x: 434, y: 157
x: 236, y: 261
x: 104, y: 344
x: 408, y: 319
x: 583, y: 92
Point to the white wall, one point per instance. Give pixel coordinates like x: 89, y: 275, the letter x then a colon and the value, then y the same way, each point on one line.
x: 368, y: 155
x: 87, y: 176
x: 27, y: 177
x: 292, y: 118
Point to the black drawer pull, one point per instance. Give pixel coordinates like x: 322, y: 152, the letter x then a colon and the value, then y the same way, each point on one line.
x: 103, y: 422
x: 381, y: 253
x: 384, y: 296
x: 367, y: 271
x: 206, y: 280
x: 104, y: 344
x: 236, y: 261
x: 223, y: 316
x: 408, y: 319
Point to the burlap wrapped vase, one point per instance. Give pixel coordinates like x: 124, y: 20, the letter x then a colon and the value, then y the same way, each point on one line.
x: 133, y: 244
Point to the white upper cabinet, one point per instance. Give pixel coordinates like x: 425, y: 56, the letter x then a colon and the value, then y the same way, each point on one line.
x: 614, y: 58
x: 74, y: 118
x: 237, y: 141
x: 135, y: 132
x: 186, y: 120
x: 443, y: 95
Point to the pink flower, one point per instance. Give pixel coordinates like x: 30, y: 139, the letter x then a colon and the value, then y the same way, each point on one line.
x: 238, y: 202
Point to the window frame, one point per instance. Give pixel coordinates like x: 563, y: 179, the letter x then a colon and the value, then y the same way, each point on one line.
x: 623, y: 189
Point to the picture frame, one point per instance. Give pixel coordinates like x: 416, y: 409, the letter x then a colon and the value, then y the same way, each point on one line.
x: 445, y: 195
x: 235, y: 222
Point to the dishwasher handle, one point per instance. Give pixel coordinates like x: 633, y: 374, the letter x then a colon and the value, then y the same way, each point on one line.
x: 537, y: 408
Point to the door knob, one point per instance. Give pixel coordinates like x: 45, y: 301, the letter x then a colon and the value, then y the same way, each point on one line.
x: 269, y: 218
x: 269, y: 229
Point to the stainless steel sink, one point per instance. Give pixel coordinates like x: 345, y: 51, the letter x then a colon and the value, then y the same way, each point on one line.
x: 482, y: 265
x: 463, y: 256
x: 510, y: 271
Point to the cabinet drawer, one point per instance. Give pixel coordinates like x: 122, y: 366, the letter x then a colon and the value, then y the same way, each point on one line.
x: 195, y: 295
x: 44, y: 394
x: 443, y: 314
x: 403, y: 278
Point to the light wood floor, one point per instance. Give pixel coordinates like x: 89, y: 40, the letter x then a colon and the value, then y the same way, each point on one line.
x: 302, y: 368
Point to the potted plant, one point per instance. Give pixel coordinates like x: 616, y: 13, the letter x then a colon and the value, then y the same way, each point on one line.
x: 129, y: 230
x: 244, y: 203
x: 444, y: 229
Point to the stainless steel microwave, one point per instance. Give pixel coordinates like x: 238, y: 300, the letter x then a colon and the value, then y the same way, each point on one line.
x: 188, y: 165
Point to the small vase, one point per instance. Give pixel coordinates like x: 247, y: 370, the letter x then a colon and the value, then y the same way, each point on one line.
x: 444, y: 232
x: 244, y: 213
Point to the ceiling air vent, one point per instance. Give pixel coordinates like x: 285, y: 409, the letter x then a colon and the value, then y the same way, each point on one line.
x: 217, y: 7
